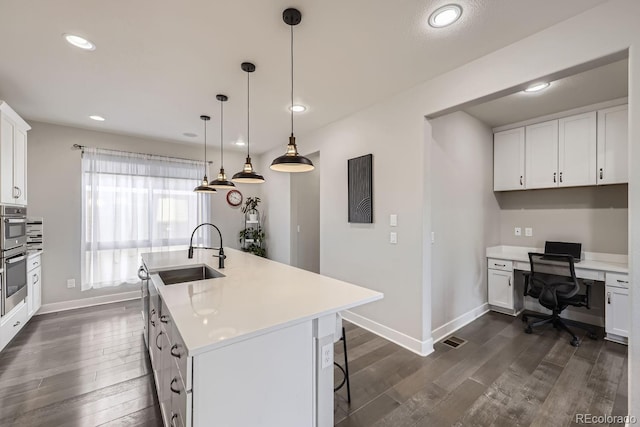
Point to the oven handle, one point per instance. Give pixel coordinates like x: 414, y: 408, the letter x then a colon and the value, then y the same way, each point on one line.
x: 16, y: 259
x: 15, y: 220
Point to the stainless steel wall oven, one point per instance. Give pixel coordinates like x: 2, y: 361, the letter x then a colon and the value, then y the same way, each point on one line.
x: 13, y: 257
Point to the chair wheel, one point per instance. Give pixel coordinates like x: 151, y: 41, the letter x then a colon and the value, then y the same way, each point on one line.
x: 592, y: 335
x: 528, y: 330
x: 525, y: 318
x: 575, y: 342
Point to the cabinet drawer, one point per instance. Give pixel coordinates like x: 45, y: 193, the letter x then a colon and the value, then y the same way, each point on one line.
x: 499, y: 264
x: 183, y: 362
x: 617, y: 280
x: 33, y: 262
x: 13, y: 324
x: 180, y: 399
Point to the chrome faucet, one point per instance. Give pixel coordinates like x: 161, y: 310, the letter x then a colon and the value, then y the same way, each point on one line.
x: 221, y: 256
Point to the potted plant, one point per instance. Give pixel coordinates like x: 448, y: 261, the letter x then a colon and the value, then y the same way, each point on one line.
x: 250, y: 206
x: 252, y: 241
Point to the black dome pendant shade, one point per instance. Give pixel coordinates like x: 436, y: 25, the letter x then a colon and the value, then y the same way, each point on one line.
x: 291, y: 161
x: 204, y: 186
x: 221, y: 181
x: 247, y: 175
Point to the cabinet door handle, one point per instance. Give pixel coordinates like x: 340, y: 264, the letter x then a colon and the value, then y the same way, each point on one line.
x: 164, y: 318
x: 520, y: 179
x: 509, y: 281
x: 15, y: 192
x: 500, y: 265
x: 175, y: 354
x: 158, y: 345
x: 153, y: 313
x: 601, y: 174
x: 36, y: 279
x: 608, y: 297
x: 560, y: 176
x: 554, y: 177
x: 19, y: 192
x: 622, y: 281
x: 173, y: 418
x: 175, y: 380
x: 16, y: 324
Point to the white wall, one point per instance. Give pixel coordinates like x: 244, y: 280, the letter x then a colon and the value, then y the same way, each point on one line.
x: 54, y: 174
x: 305, y: 218
x: 597, y: 217
x: 394, y: 131
x: 465, y: 218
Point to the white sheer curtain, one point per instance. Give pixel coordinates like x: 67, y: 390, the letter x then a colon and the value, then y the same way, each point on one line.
x: 135, y: 203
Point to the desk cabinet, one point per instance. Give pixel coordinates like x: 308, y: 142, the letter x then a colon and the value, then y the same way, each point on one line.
x: 617, y: 306
x: 500, y: 288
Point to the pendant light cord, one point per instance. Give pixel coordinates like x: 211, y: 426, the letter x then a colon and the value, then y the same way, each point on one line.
x: 248, y: 114
x: 221, y: 135
x: 205, y: 147
x: 291, y: 106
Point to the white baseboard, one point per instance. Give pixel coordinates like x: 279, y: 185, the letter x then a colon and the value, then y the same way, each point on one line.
x: 88, y: 302
x: 423, y: 348
x: 457, y: 323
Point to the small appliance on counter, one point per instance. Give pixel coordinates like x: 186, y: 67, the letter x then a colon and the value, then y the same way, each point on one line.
x: 34, y: 233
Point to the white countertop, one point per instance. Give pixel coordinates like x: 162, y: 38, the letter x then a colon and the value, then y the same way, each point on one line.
x: 590, y: 260
x: 256, y: 296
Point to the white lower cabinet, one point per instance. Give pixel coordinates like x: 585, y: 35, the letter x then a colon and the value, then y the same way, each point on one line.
x: 34, y: 289
x: 500, y: 287
x: 12, y: 323
x: 617, y: 305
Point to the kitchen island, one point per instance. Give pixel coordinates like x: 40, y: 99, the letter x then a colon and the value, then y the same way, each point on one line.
x: 251, y: 347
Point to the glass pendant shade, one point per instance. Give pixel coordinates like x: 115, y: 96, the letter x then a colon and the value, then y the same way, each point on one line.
x: 291, y: 161
x: 247, y: 175
x: 204, y: 186
x: 221, y: 182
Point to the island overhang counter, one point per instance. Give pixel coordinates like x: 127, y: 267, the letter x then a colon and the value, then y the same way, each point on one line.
x: 247, y: 348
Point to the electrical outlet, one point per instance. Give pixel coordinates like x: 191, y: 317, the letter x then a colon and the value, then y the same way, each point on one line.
x: 517, y: 231
x: 327, y: 355
x: 528, y: 231
x: 393, y: 238
x: 71, y: 283
x: 393, y: 220
x: 433, y: 237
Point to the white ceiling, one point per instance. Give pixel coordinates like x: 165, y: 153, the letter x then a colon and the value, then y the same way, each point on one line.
x: 159, y: 65
x: 599, y: 84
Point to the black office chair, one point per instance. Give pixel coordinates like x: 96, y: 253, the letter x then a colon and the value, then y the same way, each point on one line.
x: 553, y: 282
x: 345, y: 369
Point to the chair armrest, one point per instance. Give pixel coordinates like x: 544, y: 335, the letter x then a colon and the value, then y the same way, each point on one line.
x: 588, y: 284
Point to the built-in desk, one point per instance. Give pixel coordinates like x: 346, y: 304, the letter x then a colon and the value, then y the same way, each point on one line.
x: 611, y: 269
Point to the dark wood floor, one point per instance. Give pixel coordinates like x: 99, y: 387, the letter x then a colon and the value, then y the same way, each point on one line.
x: 500, y: 377
x: 88, y: 367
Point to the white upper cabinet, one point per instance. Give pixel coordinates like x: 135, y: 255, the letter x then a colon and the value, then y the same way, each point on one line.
x: 577, y: 150
x: 13, y: 157
x: 613, y: 141
x: 508, y: 160
x: 541, y: 142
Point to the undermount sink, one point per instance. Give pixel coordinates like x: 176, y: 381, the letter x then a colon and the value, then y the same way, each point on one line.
x: 188, y: 274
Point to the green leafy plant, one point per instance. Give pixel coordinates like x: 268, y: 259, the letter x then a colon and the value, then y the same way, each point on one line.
x: 252, y: 241
x: 250, y: 204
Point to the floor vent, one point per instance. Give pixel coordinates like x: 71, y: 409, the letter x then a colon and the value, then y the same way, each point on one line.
x: 454, y: 342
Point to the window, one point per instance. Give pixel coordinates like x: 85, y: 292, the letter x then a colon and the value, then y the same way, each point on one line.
x: 132, y: 204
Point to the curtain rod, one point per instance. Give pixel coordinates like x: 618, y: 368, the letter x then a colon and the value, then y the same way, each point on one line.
x: 82, y: 147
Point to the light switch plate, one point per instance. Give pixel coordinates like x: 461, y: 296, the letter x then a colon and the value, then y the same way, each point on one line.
x: 393, y: 238
x: 528, y: 231
x: 71, y: 283
x: 393, y: 220
x: 517, y: 231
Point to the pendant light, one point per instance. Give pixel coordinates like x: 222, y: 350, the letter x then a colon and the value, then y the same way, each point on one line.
x: 221, y: 182
x: 204, y: 187
x: 247, y: 175
x: 291, y: 161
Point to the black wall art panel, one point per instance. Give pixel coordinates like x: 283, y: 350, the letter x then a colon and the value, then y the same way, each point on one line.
x: 361, y: 189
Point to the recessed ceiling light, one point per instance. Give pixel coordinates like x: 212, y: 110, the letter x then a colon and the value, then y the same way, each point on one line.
x: 537, y: 87
x: 80, y: 42
x: 298, y: 108
x: 190, y: 134
x: 445, y: 15
x: 97, y: 118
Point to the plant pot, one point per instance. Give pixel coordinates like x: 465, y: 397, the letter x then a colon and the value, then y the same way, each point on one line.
x: 253, y: 217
